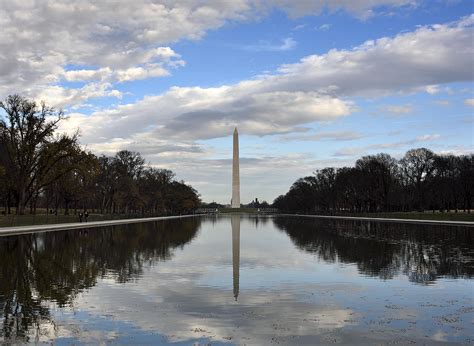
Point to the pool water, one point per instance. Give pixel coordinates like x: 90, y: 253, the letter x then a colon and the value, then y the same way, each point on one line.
x: 240, y: 279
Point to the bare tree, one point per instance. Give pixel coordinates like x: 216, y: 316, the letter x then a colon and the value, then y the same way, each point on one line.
x: 31, y: 150
x: 418, y: 166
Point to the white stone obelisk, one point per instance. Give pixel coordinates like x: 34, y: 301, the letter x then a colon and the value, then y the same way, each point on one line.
x: 235, y: 172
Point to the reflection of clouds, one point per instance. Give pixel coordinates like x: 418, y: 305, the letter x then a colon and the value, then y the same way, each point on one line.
x: 184, y: 312
x: 184, y: 301
x: 287, y: 295
x: 252, y: 243
x: 48, y: 332
x: 215, y: 267
x: 439, y: 336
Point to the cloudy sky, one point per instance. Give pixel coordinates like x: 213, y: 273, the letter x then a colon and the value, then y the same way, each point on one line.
x: 309, y: 83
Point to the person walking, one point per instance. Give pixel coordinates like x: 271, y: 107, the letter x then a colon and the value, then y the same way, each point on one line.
x: 86, y: 215
x: 80, y: 216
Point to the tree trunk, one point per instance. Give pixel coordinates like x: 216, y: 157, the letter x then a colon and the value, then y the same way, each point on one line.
x: 66, y: 207
x: 9, y: 201
x: 20, y: 208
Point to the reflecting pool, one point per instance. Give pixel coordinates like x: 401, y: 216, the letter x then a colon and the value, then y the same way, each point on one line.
x: 240, y: 280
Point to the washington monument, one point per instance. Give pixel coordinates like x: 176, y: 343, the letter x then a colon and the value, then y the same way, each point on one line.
x: 235, y: 173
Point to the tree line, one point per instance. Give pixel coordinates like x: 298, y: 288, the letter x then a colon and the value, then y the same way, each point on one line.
x: 421, y: 180
x: 41, y: 168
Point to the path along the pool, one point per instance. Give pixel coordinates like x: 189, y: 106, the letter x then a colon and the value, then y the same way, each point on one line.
x: 5, y: 231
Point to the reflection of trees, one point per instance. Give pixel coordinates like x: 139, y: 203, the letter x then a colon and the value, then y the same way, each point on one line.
x: 256, y: 219
x: 422, y: 252
x: 57, y: 266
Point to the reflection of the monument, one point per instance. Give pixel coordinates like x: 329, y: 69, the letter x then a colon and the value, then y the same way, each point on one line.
x: 235, y: 223
x: 422, y: 252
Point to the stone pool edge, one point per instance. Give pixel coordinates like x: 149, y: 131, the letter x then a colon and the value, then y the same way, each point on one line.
x: 17, y: 230
x: 382, y: 219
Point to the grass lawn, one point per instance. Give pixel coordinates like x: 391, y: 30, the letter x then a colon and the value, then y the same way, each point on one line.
x: 237, y: 210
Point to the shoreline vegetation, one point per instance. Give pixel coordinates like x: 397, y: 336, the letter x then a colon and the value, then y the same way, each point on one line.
x: 378, y: 184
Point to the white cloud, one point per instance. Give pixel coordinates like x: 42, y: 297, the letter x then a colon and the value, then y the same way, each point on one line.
x: 285, y: 45
x: 288, y: 44
x: 136, y: 73
x: 359, y: 151
x: 458, y: 150
x: 148, y: 145
x: 443, y: 102
x: 199, y: 113
x: 143, y: 62
x: 314, y: 89
x: 85, y: 75
x: 39, y: 40
x: 299, y: 27
x: 432, y: 89
x: 350, y: 151
x: 398, y: 109
x: 62, y: 97
x: 325, y: 136
x: 324, y: 27
x: 469, y: 102
x: 430, y: 55
x: 264, y: 176
x: 430, y: 137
